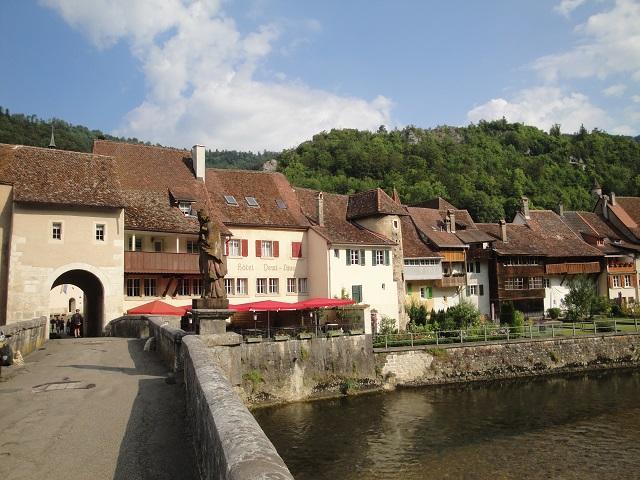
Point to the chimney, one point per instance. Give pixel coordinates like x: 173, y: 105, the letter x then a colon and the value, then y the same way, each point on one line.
x: 605, y: 205
x: 320, y: 208
x: 525, y: 208
x: 197, y: 158
x: 613, y: 198
x: 451, y: 216
x: 561, y: 209
x: 447, y: 224
x: 503, y: 230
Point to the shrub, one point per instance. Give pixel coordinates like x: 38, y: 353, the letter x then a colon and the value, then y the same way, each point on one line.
x: 417, y: 312
x: 464, y: 315
x: 581, y: 297
x: 601, y: 306
x: 388, y: 325
x: 506, y: 313
x: 554, y: 313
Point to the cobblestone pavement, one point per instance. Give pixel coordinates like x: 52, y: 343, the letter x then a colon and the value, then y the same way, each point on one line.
x: 93, y: 408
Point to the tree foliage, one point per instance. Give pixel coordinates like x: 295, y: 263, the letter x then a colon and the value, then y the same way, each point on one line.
x: 581, y: 299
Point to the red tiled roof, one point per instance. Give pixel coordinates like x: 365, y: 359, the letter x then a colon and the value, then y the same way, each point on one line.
x: 59, y: 177
x: 437, y: 203
x: 337, y: 229
x: 266, y: 187
x: 149, y: 177
x: 412, y: 245
x: 521, y: 240
x: 591, y: 224
x: 431, y: 223
x: 558, y: 238
x: 372, y: 203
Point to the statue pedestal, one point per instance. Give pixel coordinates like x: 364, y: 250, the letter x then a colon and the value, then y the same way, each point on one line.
x: 210, y: 315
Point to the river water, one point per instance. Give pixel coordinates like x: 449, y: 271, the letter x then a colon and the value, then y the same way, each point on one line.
x: 579, y: 427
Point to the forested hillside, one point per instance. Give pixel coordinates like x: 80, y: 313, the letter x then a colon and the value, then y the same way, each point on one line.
x: 21, y: 129
x: 485, y: 168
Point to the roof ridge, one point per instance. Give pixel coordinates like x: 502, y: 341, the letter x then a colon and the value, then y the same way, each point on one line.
x: 587, y: 223
x: 138, y: 145
x: 16, y: 146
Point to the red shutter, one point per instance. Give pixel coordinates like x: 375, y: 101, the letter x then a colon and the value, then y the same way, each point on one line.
x: 245, y: 247
x: 226, y: 248
x: 296, y: 249
x: 276, y: 248
x: 258, y: 248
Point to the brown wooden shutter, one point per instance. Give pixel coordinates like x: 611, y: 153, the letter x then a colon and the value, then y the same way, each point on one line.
x: 276, y: 248
x: 296, y: 249
x: 245, y: 248
x: 258, y: 248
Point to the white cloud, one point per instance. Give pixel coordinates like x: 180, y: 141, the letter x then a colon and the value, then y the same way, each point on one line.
x: 610, y: 44
x: 635, y: 98
x: 542, y: 107
x: 565, y: 7
x: 200, y: 72
x: 616, y: 90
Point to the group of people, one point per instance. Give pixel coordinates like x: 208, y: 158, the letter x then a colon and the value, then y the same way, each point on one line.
x: 73, y: 325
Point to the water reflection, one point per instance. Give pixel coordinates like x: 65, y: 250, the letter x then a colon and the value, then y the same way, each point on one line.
x: 585, y: 426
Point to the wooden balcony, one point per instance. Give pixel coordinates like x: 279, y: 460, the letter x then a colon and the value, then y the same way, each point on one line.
x: 621, y: 268
x: 452, y: 255
x: 527, y: 293
x: 572, y: 268
x: 160, y: 262
x: 452, y: 281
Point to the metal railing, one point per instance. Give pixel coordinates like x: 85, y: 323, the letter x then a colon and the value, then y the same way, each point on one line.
x: 256, y: 335
x: 499, y: 334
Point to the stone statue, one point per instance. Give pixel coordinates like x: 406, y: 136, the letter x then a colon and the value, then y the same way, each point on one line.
x: 212, y: 263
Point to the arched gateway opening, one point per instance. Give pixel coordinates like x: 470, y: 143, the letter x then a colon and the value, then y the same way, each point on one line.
x: 93, y: 306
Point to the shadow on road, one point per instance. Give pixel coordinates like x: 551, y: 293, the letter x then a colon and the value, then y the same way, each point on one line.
x: 156, y: 444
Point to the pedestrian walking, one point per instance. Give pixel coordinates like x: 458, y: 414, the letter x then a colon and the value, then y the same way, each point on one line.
x: 76, y: 323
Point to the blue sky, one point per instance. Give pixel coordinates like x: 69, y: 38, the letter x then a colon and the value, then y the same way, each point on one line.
x: 270, y: 73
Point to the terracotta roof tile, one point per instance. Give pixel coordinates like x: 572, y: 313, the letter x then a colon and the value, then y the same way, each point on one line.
x: 431, y: 223
x: 590, y: 224
x: 268, y: 188
x: 437, y: 203
x: 412, y: 244
x: 557, y: 237
x: 337, y: 229
x: 45, y: 175
x: 372, y: 203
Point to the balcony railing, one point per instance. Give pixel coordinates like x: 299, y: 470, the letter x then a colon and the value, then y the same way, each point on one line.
x: 572, y: 268
x: 423, y: 272
x: 160, y: 262
x: 452, y: 281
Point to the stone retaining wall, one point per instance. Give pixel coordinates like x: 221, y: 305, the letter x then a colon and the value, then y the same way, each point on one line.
x: 27, y: 336
x: 229, y: 442
x: 498, y: 361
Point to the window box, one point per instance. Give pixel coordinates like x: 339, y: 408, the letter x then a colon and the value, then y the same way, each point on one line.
x: 356, y: 331
x: 254, y: 339
x: 305, y: 336
x: 281, y: 337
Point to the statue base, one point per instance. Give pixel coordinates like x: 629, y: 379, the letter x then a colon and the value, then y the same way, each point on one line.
x: 209, y: 303
x: 211, y: 321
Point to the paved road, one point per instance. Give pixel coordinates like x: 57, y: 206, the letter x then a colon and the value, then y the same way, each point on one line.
x: 93, y: 408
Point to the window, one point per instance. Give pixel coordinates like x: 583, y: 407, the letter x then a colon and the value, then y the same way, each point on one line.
x: 274, y: 286
x: 196, y: 286
x: 251, y: 201
x: 535, y: 282
x: 261, y: 286
x: 509, y: 261
x: 627, y: 281
x: 185, y: 207
x: 192, y: 246
x: 469, y: 267
x: 242, y: 286
x: 616, y: 281
x: 395, y: 224
x: 477, y: 267
x: 157, y: 246
x: 420, y: 261
x: 336, y: 253
x: 133, y: 287
x: 292, y: 286
x: 355, y: 257
x: 303, y: 286
x: 56, y: 231
x: 184, y: 287
x: 356, y: 293
x: 233, y: 247
x: 472, y: 290
x: 100, y: 233
x: 546, y: 282
x: 149, y: 287
x: 280, y: 203
x: 296, y: 249
x: 515, y: 283
x: 138, y: 245
x: 381, y: 257
x: 265, y: 248
x: 426, y: 292
x: 229, y: 284
x: 481, y: 289
x: 231, y: 200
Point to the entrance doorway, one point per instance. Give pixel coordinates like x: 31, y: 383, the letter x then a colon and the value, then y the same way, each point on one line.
x: 92, y: 306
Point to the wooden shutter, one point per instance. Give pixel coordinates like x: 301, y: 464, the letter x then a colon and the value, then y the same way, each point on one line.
x: 226, y: 248
x: 362, y: 259
x: 481, y: 289
x: 296, y: 249
x: 348, y: 256
x: 258, y: 248
x: 468, y: 290
x: 386, y: 257
x: 245, y: 247
x: 276, y: 248
x: 409, y: 288
x: 477, y: 267
x: 429, y: 292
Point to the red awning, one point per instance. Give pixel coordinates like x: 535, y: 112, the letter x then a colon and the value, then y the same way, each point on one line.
x: 270, y: 306
x: 324, y: 303
x: 157, y: 307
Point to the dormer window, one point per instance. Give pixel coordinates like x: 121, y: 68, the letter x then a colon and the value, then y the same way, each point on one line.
x: 231, y: 200
x: 281, y: 204
x: 185, y: 207
x: 251, y: 201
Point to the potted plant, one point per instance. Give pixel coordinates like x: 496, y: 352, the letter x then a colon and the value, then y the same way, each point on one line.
x: 305, y: 335
x: 281, y: 337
